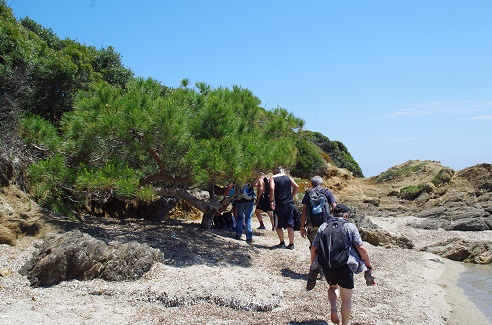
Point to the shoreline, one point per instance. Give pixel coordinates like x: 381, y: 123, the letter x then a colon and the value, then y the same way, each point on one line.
x: 436, y: 281
x: 463, y: 311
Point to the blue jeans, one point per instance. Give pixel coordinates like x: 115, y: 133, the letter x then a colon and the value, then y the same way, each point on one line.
x: 244, y: 210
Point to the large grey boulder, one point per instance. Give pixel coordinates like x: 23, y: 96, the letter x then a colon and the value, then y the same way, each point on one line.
x: 77, y: 255
x: 381, y: 237
x: 455, y: 217
x: 458, y: 249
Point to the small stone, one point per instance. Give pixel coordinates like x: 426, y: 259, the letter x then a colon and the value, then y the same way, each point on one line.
x: 5, y: 272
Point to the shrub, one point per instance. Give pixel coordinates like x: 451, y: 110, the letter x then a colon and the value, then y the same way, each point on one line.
x: 443, y: 177
x: 411, y: 192
x: 396, y: 173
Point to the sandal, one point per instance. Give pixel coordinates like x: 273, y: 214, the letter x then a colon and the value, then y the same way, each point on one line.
x: 311, y: 280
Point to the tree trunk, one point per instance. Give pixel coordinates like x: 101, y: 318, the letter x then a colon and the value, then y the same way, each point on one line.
x: 209, y: 208
x: 207, y: 220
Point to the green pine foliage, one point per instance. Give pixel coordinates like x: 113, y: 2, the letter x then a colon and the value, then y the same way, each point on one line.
x: 118, y: 140
x: 309, y: 159
x: 333, y: 152
x: 48, y: 181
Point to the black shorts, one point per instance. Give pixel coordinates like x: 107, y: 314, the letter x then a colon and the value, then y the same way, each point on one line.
x: 342, y: 276
x: 264, y: 204
x: 284, y: 215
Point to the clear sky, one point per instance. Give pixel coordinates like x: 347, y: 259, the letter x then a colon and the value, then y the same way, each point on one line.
x: 392, y: 80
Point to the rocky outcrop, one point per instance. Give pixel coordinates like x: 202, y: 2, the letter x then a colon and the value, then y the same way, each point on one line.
x: 380, y: 237
x: 439, y: 196
x: 458, y: 249
x: 76, y: 255
x: 463, y: 218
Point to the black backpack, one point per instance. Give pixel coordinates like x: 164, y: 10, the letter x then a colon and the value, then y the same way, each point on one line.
x: 334, y: 245
x: 318, y: 207
x: 266, y: 191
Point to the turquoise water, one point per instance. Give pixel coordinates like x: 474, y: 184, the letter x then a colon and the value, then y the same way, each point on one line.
x: 476, y: 281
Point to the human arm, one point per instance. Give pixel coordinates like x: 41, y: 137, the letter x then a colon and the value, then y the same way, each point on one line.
x: 294, y: 186
x: 364, y: 255
x: 260, y: 188
x: 314, y: 251
x: 332, y: 200
x: 303, y: 221
x: 272, y: 193
x: 332, y: 207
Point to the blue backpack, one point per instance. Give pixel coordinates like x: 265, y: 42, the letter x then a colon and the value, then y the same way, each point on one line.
x: 247, y: 192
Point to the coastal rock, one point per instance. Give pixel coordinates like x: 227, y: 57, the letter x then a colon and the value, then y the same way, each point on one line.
x: 458, y: 249
x: 437, y: 195
x: 380, y: 237
x: 7, y: 237
x: 76, y: 255
x: 453, y: 217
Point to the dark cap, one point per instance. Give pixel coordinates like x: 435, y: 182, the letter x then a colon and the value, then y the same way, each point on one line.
x: 341, y: 208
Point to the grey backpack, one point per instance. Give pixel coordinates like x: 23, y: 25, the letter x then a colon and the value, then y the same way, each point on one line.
x: 318, y: 209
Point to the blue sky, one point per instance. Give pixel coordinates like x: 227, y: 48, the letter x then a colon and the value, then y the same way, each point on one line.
x: 392, y: 80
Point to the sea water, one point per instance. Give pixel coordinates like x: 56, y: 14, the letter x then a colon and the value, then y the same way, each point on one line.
x: 476, y: 281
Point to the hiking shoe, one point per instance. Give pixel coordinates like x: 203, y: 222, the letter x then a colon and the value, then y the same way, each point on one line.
x: 249, y: 241
x: 281, y: 245
x: 262, y: 227
x: 237, y: 237
x: 311, y: 280
x: 290, y: 246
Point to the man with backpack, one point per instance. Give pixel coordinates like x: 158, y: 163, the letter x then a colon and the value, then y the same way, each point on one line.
x: 244, y: 204
x: 317, y: 205
x: 338, y: 249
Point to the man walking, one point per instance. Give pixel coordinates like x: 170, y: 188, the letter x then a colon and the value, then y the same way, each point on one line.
x: 244, y: 211
x: 338, y: 276
x: 315, y: 220
x: 282, y: 191
x: 263, y: 201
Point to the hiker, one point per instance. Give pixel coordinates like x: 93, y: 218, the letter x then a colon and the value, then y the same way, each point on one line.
x: 282, y: 192
x: 244, y: 205
x: 263, y: 201
x: 224, y: 219
x: 340, y: 263
x: 327, y: 205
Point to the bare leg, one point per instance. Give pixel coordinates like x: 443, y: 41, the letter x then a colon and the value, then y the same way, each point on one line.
x: 346, y: 297
x: 290, y: 233
x: 270, y: 214
x: 332, y: 298
x: 258, y: 215
x: 280, y: 234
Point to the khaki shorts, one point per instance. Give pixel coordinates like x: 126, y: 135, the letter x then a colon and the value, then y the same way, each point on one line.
x: 311, y: 233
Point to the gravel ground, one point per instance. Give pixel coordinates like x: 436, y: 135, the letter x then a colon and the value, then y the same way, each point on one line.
x: 210, y: 278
